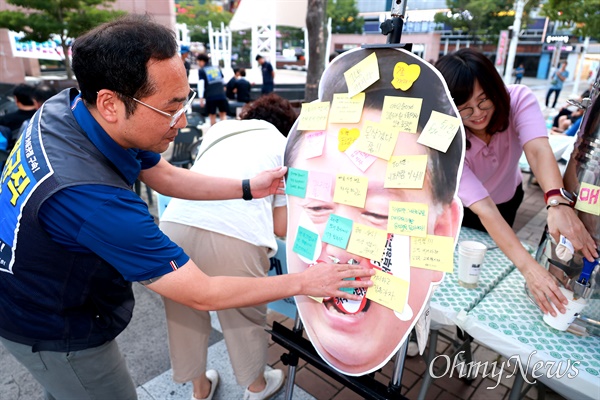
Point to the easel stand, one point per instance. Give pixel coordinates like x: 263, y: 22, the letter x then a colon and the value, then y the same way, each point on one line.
x: 366, y: 386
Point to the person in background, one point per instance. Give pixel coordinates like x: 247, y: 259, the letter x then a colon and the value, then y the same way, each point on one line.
x: 75, y: 234
x: 500, y: 123
x: 230, y: 88
x: 243, y: 87
x: 11, y: 123
x: 41, y: 93
x: 247, y: 230
x: 519, y: 72
x: 185, y: 52
x: 556, y: 83
x: 211, y: 90
x: 268, y: 75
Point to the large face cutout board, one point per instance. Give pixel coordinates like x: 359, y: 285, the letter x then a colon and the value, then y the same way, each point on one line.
x: 373, y: 167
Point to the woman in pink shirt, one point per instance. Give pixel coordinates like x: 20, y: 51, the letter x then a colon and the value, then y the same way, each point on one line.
x: 500, y: 123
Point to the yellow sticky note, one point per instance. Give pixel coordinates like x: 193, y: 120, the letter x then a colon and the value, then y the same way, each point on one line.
x: 317, y: 299
x: 362, y: 75
x: 409, y: 219
x: 407, y: 172
x: 388, y: 290
x: 367, y: 241
x: 313, y: 116
x: 351, y: 190
x: 587, y: 201
x: 439, y: 131
x: 432, y: 252
x: 377, y: 139
x: 401, y: 113
x: 405, y: 75
x: 346, y: 109
x: 346, y: 137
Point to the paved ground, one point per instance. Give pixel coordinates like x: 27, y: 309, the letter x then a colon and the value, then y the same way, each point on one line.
x: 145, y: 347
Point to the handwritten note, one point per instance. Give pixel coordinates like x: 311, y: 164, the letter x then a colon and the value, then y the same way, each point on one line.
x: 405, y: 75
x: 359, y: 158
x: 305, y: 243
x: 367, y: 241
x: 295, y: 184
x: 401, y: 112
x: 351, y: 190
x: 587, y: 201
x: 313, y: 116
x: 320, y: 185
x: 407, y: 218
x: 314, y: 142
x: 337, y: 231
x: 406, y: 172
x: 362, y: 75
x: 377, y: 139
x: 388, y: 290
x: 346, y: 137
x: 439, y: 131
x: 432, y: 252
x: 346, y: 109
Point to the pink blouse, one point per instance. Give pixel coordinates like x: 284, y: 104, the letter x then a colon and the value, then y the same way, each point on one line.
x: 493, y: 170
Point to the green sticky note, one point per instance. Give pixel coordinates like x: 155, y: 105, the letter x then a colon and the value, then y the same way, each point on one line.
x: 296, y: 182
x: 337, y: 231
x: 348, y: 290
x: 305, y: 243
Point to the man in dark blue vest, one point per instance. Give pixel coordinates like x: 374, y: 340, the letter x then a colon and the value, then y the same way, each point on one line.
x: 73, y: 234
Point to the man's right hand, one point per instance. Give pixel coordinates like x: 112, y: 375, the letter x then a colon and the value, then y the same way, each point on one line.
x: 325, y: 280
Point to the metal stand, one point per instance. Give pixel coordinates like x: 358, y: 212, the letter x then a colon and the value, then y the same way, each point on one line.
x: 366, y: 386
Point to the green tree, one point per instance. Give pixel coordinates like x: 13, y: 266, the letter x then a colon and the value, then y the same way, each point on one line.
x: 40, y: 20
x: 344, y: 16
x: 583, y: 15
x: 196, y: 17
x: 481, y: 19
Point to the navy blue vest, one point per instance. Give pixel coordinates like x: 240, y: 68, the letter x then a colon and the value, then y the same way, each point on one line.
x: 51, y: 298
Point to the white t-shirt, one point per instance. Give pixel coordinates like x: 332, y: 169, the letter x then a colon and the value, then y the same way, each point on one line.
x: 240, y: 156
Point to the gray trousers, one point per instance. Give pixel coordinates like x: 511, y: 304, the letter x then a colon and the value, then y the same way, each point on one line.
x: 98, y: 373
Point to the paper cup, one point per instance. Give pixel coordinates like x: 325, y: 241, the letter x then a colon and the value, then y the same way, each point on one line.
x: 470, y: 259
x: 562, y: 321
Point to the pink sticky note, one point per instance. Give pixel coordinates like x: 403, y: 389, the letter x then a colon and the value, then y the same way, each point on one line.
x: 320, y: 186
x: 314, y: 143
x: 361, y: 159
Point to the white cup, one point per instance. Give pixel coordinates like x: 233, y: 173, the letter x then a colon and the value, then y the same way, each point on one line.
x: 470, y: 260
x: 562, y: 321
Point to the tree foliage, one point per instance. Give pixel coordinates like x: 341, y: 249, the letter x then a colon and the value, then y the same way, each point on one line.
x: 481, y: 19
x: 583, y: 14
x: 196, y: 16
x: 41, y: 20
x: 344, y: 16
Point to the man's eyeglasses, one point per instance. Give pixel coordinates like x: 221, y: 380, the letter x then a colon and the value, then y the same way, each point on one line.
x: 175, y: 117
x: 483, y: 105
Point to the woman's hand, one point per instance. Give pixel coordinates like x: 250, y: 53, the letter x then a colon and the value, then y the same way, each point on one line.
x: 544, y: 288
x: 562, y: 220
x: 325, y: 280
x: 268, y: 182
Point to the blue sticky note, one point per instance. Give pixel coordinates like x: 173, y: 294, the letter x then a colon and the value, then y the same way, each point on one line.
x: 348, y: 290
x: 295, y: 184
x: 305, y: 243
x: 337, y: 231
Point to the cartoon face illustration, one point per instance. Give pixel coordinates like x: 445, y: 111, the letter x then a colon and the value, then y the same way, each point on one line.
x: 358, y: 337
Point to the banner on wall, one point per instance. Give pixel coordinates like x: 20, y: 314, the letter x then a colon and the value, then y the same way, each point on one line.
x: 48, y: 50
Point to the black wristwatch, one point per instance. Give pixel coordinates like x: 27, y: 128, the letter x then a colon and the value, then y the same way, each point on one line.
x: 246, y: 192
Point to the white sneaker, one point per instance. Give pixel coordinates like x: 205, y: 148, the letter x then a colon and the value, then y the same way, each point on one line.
x: 213, y: 377
x: 274, y: 378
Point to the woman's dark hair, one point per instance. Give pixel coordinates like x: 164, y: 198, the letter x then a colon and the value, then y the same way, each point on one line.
x: 461, y: 69
x: 115, y: 56
x: 443, y: 167
x: 271, y: 108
